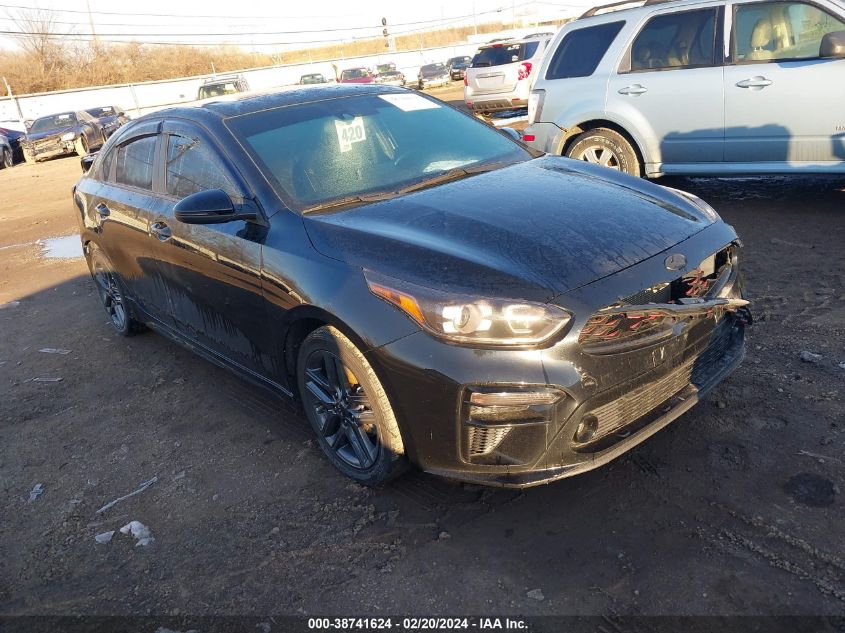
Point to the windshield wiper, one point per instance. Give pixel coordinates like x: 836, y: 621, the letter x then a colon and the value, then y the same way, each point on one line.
x: 360, y: 198
x: 452, y: 174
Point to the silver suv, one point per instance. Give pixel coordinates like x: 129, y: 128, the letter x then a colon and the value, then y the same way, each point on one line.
x: 697, y: 87
x: 500, y: 75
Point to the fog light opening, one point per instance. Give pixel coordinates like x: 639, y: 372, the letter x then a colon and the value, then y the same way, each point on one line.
x: 586, y: 428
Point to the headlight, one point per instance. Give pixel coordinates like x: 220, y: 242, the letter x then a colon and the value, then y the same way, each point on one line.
x: 69, y: 136
x: 709, y: 211
x: 478, y: 321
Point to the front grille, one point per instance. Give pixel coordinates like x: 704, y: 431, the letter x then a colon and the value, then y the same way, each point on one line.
x: 637, y: 403
x: 484, y: 440
x: 47, y: 143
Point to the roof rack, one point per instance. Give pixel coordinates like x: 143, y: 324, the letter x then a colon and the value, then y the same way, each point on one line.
x: 616, y: 6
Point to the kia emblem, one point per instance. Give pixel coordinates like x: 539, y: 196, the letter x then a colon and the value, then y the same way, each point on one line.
x: 675, y: 261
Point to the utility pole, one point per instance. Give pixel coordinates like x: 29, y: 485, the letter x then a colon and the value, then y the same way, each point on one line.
x: 14, y: 101
x: 91, y: 22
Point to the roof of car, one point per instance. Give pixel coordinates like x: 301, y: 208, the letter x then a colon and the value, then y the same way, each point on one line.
x: 249, y: 102
x: 613, y: 8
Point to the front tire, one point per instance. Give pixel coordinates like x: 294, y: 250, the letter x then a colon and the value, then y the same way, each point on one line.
x: 608, y: 148
x: 7, y: 159
x: 81, y: 146
x: 29, y: 157
x: 348, y: 408
x: 112, y: 294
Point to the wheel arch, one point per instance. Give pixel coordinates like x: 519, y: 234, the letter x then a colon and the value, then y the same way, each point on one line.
x: 304, y: 319
x: 573, y: 132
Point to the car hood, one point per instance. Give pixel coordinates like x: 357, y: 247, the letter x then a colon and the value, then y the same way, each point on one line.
x: 530, y: 231
x: 56, y: 131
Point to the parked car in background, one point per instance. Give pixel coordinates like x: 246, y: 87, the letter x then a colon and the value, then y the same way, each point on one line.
x: 62, y: 134
x: 313, y: 78
x: 6, y: 154
x: 110, y: 117
x: 15, y: 137
x: 433, y: 75
x: 746, y: 87
x: 224, y: 85
x: 500, y: 75
x: 433, y: 291
x: 359, y: 75
x: 391, y: 78
x: 457, y: 66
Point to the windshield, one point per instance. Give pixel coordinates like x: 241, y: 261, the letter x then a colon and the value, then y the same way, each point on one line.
x: 354, y: 73
x: 217, y: 90
x: 383, y: 68
x: 97, y: 112
x: 54, y: 121
x: 430, y: 70
x: 313, y: 79
x: 459, y: 61
x: 355, y: 146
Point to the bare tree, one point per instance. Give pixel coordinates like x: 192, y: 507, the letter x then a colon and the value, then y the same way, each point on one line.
x: 37, y: 38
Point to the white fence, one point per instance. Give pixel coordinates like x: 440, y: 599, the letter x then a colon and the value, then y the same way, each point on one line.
x: 140, y: 98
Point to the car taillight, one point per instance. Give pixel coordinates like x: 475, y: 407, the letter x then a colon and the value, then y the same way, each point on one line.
x: 466, y: 80
x: 524, y: 70
x: 535, y: 105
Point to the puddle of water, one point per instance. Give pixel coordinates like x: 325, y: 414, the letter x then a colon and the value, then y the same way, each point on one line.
x: 66, y: 247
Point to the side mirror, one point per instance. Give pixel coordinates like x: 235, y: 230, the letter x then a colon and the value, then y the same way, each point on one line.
x: 512, y: 133
x: 833, y: 45
x: 86, y: 162
x: 212, y: 206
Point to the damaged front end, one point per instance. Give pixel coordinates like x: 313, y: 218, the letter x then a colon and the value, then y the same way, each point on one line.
x: 642, y: 361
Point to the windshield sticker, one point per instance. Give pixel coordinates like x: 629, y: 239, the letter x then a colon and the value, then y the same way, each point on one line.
x: 409, y: 102
x: 348, y: 133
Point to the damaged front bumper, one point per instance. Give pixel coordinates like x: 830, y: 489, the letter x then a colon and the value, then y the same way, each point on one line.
x: 610, y: 396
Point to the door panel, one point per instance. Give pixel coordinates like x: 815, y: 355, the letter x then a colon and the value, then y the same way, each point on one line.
x: 778, y: 107
x: 124, y: 207
x: 212, y: 272
x: 670, y: 88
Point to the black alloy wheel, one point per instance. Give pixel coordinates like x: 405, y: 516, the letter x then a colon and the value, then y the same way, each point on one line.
x: 112, y: 296
x: 345, y: 417
x: 348, y: 408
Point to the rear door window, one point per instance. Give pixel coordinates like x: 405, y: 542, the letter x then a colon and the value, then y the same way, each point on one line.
x: 684, y: 39
x: 581, y: 51
x: 135, y: 163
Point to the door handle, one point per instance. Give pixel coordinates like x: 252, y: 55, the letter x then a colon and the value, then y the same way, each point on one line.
x: 755, y: 83
x: 635, y: 90
x: 161, y: 231
x: 103, y: 210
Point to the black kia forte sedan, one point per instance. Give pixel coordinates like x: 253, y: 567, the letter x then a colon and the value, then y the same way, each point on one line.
x: 432, y: 291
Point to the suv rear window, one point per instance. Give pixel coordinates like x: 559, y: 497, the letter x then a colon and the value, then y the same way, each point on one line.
x: 580, y: 52
x: 502, y: 54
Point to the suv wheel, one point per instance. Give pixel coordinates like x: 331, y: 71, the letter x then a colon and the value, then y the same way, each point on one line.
x: 348, y: 408
x: 605, y: 147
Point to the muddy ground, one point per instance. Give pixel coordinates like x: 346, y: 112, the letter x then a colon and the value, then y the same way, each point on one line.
x: 736, y: 508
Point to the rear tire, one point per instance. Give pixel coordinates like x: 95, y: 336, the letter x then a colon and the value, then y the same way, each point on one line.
x: 608, y: 148
x: 7, y: 159
x: 112, y: 294
x: 348, y: 408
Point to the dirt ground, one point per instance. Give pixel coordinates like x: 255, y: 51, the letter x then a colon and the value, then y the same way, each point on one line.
x: 736, y: 508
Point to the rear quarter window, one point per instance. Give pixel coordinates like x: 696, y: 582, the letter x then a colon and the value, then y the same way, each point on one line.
x: 581, y: 51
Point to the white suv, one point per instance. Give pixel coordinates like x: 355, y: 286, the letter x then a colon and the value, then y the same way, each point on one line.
x: 500, y: 75
x: 697, y: 87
